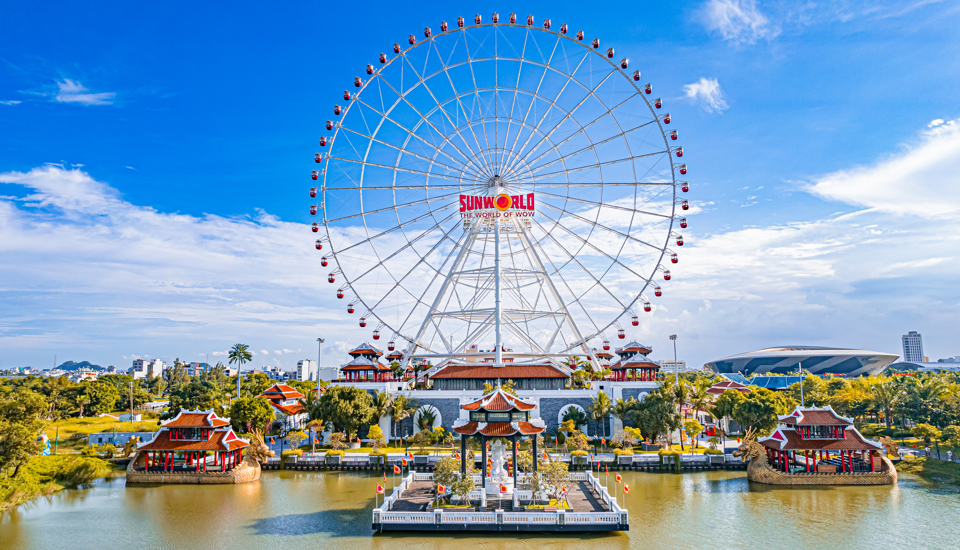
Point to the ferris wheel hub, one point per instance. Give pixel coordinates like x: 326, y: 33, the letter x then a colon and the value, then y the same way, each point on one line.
x: 496, y: 182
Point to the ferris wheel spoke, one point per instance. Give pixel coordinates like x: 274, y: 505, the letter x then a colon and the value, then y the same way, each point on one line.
x: 570, y: 78
x: 404, y: 151
x: 516, y: 91
x: 410, y: 132
x: 386, y: 232
x: 599, y: 164
x: 427, y: 200
x: 601, y: 226
x: 598, y: 250
x: 440, y: 107
x: 488, y: 161
x: 593, y: 145
x: 536, y: 94
x: 427, y: 175
x: 605, y: 205
x: 588, y: 125
x: 401, y: 187
x: 422, y: 260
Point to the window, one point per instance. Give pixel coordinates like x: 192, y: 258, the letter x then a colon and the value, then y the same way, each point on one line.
x: 519, y: 417
x: 477, y: 417
x: 498, y: 417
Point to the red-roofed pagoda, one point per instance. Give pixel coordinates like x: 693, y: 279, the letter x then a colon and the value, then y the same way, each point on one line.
x: 192, y: 442
x: 286, y: 401
x: 817, y: 446
x: 498, y: 415
x: 633, y: 360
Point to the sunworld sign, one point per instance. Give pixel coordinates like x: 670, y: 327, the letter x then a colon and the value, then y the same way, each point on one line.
x: 497, y: 206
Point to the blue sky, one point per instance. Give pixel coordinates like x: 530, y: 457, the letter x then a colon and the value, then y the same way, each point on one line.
x: 153, y: 161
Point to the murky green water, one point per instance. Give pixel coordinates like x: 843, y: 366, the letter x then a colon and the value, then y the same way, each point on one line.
x: 331, y: 510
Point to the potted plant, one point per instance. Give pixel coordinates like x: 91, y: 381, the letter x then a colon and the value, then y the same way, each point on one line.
x: 377, y: 440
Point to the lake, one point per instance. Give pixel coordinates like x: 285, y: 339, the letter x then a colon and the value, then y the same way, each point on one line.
x: 332, y: 510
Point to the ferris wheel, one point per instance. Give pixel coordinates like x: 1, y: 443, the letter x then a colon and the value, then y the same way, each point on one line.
x: 504, y: 186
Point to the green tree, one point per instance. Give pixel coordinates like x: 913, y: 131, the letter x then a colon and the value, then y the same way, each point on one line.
x: 255, y: 384
x: 346, y: 407
x: 656, y: 415
x: 599, y: 410
x: 176, y: 376
x: 579, y: 418
x: 400, y: 408
x: 885, y: 398
x: 723, y: 407
x: 758, y: 411
x: 622, y: 409
x: 508, y: 387
x: 239, y: 354
x: 103, y: 397
x: 194, y: 395
x: 250, y: 413
x: 950, y: 436
x: 381, y: 405
x: 926, y: 432
x: 21, y: 421
x: 426, y: 416
x: 316, y: 426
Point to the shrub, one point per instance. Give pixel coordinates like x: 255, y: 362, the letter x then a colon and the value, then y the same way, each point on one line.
x: 712, y: 452
x: 578, y: 452
x: 671, y: 456
x: 291, y: 452
x: 335, y: 453
x: 619, y: 452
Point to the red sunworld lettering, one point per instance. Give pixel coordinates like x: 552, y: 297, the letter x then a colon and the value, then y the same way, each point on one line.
x: 470, y: 204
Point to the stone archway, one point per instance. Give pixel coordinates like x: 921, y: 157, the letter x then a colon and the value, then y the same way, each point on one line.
x: 438, y: 421
x: 564, y: 410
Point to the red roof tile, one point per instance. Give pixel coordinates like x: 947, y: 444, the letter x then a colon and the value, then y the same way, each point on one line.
x: 290, y: 410
x: 816, y: 417
x: 221, y: 440
x: 791, y: 441
x: 195, y: 419
x: 720, y: 387
x: 498, y: 401
x: 499, y: 429
x: 281, y: 391
x: 484, y: 371
x: 620, y: 365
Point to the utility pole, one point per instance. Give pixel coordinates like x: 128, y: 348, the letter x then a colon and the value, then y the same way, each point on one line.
x: 131, y: 402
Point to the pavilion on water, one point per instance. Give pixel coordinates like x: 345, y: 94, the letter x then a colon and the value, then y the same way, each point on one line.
x: 818, y: 440
x: 633, y: 360
x: 197, y: 441
x: 498, y: 415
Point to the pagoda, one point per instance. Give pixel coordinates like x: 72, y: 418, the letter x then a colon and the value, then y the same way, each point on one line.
x: 498, y: 415
x: 819, y: 440
x: 195, y: 443
x: 288, y: 405
x: 633, y: 360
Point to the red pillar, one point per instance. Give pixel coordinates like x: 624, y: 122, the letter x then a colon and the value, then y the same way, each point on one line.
x: 870, y: 457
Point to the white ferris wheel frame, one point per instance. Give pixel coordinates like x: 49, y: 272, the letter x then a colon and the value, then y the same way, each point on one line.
x: 506, y: 164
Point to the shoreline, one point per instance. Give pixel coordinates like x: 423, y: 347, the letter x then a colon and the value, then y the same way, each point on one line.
x: 47, y: 475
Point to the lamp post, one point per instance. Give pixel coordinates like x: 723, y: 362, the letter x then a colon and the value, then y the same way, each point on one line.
x: 319, y: 356
x: 676, y: 368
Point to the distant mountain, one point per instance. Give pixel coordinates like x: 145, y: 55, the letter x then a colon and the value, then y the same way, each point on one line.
x: 71, y: 366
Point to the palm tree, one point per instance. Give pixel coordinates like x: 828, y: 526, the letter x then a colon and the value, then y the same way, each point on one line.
x: 427, y: 414
x: 381, y: 405
x: 83, y: 399
x: 397, y: 369
x: 400, y: 408
x: 885, y: 395
x: 621, y: 409
x: 678, y: 392
x: 698, y: 396
x: 239, y: 354
x: 599, y: 409
x: 579, y: 417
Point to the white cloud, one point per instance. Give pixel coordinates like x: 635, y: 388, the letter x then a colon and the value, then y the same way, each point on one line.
x: 706, y: 92
x: 10, y: 102
x: 71, y: 91
x: 922, y: 180
x: 738, y: 21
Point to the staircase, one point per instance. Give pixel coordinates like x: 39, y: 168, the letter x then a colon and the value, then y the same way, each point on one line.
x: 493, y: 504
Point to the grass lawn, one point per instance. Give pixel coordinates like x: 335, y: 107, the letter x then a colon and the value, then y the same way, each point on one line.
x: 45, y: 475
x: 74, y: 431
x: 933, y: 470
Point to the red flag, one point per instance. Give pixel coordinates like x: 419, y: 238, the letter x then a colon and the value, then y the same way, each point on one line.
x: 379, y: 489
x: 591, y: 457
x: 619, y: 479
x: 272, y: 442
x: 316, y: 441
x: 606, y: 469
x: 545, y: 457
x: 563, y: 489
x: 518, y: 445
x: 396, y: 469
x: 626, y: 489
x: 403, y: 461
x: 410, y: 455
x: 384, y: 477
x: 441, y: 489
x: 503, y: 488
x: 603, y: 440
x: 458, y: 456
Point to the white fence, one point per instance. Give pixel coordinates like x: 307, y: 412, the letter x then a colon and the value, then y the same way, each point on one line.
x: 386, y: 515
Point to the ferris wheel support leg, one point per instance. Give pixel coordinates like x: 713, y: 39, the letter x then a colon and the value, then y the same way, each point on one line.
x: 535, y: 256
x: 457, y: 264
x: 496, y: 275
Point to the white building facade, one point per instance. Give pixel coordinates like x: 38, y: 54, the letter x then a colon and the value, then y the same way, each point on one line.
x: 143, y: 368
x: 306, y: 370
x: 912, y: 347
x: 672, y: 367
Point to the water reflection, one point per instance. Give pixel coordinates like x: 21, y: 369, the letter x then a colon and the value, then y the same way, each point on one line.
x: 332, y: 510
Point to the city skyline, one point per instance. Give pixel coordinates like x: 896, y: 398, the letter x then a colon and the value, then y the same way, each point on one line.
x: 128, y: 226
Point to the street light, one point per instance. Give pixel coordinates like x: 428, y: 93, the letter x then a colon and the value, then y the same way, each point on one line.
x: 319, y: 356
x: 676, y: 368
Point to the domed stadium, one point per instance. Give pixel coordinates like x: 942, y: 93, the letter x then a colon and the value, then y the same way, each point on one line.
x: 814, y: 359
